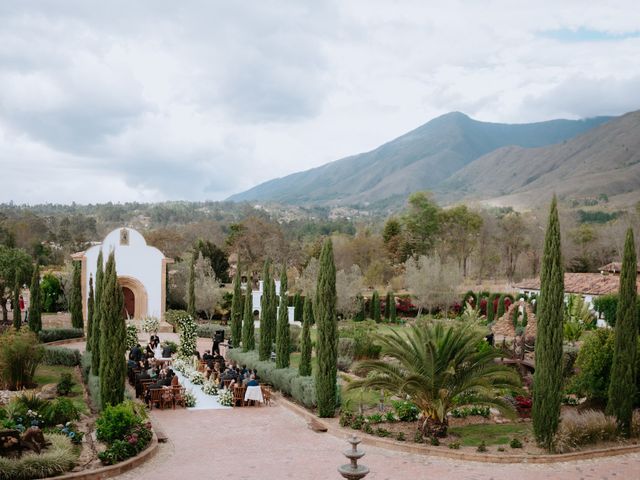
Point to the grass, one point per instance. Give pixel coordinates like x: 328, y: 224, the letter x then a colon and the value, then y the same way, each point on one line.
x: 46, y: 374
x: 491, y: 433
x: 352, y: 399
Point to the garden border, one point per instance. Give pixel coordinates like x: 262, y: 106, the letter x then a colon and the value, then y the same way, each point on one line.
x: 117, y: 469
x: 341, y: 432
x: 64, y: 342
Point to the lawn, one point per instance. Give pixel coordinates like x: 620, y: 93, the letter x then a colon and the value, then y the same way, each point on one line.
x: 46, y: 374
x: 491, y: 433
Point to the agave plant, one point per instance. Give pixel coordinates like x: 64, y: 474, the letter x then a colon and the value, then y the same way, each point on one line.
x: 439, y: 366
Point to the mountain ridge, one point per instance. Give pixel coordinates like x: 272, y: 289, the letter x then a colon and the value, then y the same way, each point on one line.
x: 420, y: 159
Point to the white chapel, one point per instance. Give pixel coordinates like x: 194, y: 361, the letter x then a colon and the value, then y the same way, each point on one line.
x: 142, y: 272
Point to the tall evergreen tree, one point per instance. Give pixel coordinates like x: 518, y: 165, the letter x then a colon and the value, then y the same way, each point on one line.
x: 375, y: 306
x: 90, y: 309
x: 547, y: 391
x: 391, y: 307
x: 387, y: 301
x: 298, y: 307
x: 305, y: 342
x: 622, y: 387
x: 248, y: 328
x: 113, y: 367
x: 327, y: 323
x: 35, y: 303
x: 75, y: 306
x: 283, y: 339
x: 17, y: 314
x: 264, y: 349
x: 236, y: 310
x: 97, y: 317
x: 501, y: 308
x: 191, y: 299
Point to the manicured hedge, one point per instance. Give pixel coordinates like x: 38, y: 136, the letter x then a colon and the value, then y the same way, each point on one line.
x: 55, y: 334
x: 207, y: 330
x: 61, y: 356
x: 287, y: 380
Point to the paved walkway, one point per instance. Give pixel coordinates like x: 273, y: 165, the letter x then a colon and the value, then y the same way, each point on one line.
x: 272, y: 443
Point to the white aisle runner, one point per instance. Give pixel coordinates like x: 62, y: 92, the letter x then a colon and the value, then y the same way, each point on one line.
x: 203, y: 401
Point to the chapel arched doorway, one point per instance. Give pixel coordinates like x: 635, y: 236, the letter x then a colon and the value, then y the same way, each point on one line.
x: 129, y: 307
x: 135, y: 298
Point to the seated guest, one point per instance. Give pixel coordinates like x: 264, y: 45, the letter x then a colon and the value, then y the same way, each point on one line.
x: 149, y: 350
x: 255, y: 374
x: 207, y: 356
x: 197, y: 354
x: 175, y: 381
x: 252, y: 381
x: 166, y: 351
x: 136, y: 353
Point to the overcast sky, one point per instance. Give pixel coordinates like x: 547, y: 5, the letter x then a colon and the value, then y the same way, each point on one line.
x: 164, y: 99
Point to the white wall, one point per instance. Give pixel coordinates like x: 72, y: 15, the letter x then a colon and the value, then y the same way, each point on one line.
x: 136, y: 260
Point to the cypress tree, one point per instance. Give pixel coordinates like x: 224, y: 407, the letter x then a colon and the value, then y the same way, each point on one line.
x: 283, y: 339
x: 387, y: 302
x: 298, y: 307
x: 90, y: 309
x: 375, y: 306
x: 264, y: 349
x: 547, y: 391
x: 236, y: 310
x: 361, y: 310
x: 622, y: 387
x: 191, y: 298
x: 391, y: 307
x: 35, y: 304
x: 17, y: 314
x: 500, y: 311
x: 76, y: 297
x: 327, y: 344
x: 272, y: 311
x: 248, y: 328
x: 305, y: 342
x: 97, y: 317
x: 112, y: 338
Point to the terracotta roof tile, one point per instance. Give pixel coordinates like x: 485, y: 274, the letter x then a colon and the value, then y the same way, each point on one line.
x: 581, y: 283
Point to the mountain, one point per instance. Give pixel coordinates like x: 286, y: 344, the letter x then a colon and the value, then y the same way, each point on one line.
x: 604, y: 160
x: 418, y: 160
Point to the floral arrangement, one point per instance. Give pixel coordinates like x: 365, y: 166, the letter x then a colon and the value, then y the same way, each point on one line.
x: 189, y: 399
x: 179, y: 365
x: 210, y: 388
x: 188, y: 336
x: 71, y: 431
x: 132, y: 336
x: 150, y: 324
x: 197, y: 378
x: 225, y: 398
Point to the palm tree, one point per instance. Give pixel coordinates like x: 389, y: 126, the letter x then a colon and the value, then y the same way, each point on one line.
x: 437, y: 367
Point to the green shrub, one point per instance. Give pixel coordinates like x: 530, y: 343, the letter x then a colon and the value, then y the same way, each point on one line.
x: 375, y: 418
x: 65, y: 384
x: 367, y: 428
x: 405, y: 410
x: 173, y: 346
x: 60, y: 411
x: 515, y: 443
x: 287, y: 380
x: 390, y: 417
x: 588, y: 427
x: 56, y: 334
x: 434, y: 442
x: 61, y: 356
x: 482, y: 448
x: 362, y: 334
x: 382, y: 432
x: 418, y: 438
x: 474, y: 410
x: 207, y: 330
x: 346, y: 418
x: 454, y: 445
x: 58, y: 458
x: 116, y: 421
x: 357, y: 422
x: 20, y: 355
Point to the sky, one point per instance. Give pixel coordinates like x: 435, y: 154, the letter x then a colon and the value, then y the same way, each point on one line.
x: 161, y: 99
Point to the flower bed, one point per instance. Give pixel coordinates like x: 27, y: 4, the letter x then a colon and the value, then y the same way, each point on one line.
x: 125, y: 430
x: 56, y: 459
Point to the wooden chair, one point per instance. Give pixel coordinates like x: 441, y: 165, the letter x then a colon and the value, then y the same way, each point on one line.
x: 167, y: 398
x: 238, y: 396
x: 266, y: 394
x: 226, y: 383
x: 178, y: 396
x: 144, y: 385
x: 156, y: 398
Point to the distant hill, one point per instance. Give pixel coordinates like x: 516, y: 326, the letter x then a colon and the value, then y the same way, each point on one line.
x: 419, y: 160
x: 604, y: 160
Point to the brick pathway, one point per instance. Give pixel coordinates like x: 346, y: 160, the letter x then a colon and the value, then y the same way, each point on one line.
x: 273, y: 443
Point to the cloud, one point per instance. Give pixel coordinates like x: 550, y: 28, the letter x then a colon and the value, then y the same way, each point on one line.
x: 167, y: 100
